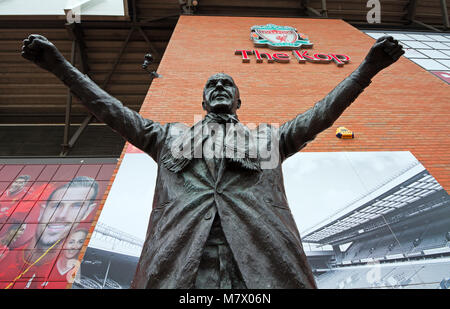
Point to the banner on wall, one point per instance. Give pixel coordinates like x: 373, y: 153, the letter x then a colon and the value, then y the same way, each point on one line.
x: 115, y: 246
x: 46, y: 210
x: 370, y: 219
x: 367, y: 220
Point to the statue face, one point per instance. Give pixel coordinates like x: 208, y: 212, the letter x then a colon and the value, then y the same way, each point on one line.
x: 221, y: 95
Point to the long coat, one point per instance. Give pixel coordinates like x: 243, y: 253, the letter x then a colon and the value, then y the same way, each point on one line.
x: 252, y: 205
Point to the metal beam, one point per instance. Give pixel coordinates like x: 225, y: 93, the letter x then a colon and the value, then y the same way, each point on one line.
x: 76, y: 33
x: 117, y: 60
x: 324, y: 11
x: 104, y: 86
x: 143, y: 22
x: 80, y: 130
x: 412, y: 7
x: 426, y: 26
x: 445, y: 14
x: 79, y: 35
x: 133, y: 4
x: 390, y: 27
x: 303, y: 6
x: 313, y: 11
x: 309, y: 11
x: 155, y: 52
x: 186, y: 6
x: 89, y: 117
x: 65, y: 144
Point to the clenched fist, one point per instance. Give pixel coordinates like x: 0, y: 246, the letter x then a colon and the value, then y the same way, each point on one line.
x: 42, y: 52
x: 384, y: 52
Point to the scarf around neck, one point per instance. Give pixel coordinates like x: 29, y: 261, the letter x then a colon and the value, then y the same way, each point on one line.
x: 239, y: 145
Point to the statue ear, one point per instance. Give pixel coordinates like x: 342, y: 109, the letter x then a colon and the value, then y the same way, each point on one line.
x: 239, y: 103
x: 204, y: 105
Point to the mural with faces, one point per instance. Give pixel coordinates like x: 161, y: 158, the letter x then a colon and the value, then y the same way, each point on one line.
x: 46, y: 211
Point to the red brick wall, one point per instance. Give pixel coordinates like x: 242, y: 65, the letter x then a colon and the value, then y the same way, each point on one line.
x: 404, y: 109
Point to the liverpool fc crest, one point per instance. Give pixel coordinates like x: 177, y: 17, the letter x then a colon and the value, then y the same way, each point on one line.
x: 279, y: 37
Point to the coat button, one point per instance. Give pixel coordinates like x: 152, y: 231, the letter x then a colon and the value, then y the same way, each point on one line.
x: 219, y: 190
x: 208, y: 215
x: 268, y: 200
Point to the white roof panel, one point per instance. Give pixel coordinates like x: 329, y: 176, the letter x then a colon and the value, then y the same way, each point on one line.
x: 57, y: 7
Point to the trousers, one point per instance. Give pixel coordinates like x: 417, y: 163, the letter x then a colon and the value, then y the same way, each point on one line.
x: 218, y: 268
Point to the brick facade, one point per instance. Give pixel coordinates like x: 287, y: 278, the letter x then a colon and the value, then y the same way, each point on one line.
x: 404, y: 109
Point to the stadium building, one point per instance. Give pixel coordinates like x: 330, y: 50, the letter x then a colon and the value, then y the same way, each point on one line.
x: 385, y: 226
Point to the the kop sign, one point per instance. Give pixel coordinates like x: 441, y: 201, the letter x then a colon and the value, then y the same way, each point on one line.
x: 285, y: 38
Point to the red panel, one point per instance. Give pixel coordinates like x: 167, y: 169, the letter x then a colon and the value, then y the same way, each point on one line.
x: 33, y: 215
x: 7, y: 206
x: 78, y: 191
x: 9, y: 234
x: 48, y: 172
x: 35, y: 192
x: 62, y: 211
x: 90, y: 170
x: 39, y: 264
x: 4, y: 185
x: 12, y: 264
x: 68, y: 211
x: 33, y: 171
x: 53, y: 233
x: 43, y: 224
x: 10, y: 172
x: 66, y: 172
x: 89, y: 213
x: 21, y: 211
x: 77, y: 235
x: 106, y: 172
x: 15, y: 192
x: 50, y: 188
x: 65, y: 266
x: 102, y: 185
x: 26, y: 237
x: 45, y: 212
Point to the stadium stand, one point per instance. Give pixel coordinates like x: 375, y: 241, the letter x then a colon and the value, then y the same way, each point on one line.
x: 397, y: 275
x: 405, y: 248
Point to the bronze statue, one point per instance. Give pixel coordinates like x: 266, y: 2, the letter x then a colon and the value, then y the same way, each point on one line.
x: 220, y: 218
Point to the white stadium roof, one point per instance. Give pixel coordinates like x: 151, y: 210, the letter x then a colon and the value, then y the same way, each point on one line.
x: 60, y: 7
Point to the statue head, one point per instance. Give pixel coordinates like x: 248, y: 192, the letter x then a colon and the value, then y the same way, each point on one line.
x: 221, y: 95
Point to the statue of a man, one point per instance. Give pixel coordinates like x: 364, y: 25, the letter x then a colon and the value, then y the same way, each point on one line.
x: 221, y: 220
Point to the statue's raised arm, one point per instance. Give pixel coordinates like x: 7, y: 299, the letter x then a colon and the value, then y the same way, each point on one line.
x: 295, y: 134
x: 143, y: 133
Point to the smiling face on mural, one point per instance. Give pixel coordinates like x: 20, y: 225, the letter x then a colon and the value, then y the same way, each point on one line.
x: 72, y: 202
x: 221, y: 95
x: 74, y: 244
x: 18, y: 184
